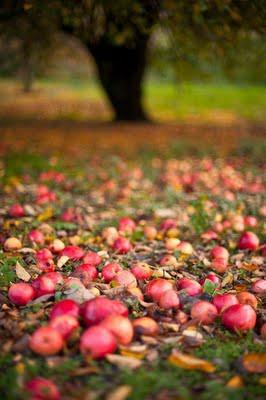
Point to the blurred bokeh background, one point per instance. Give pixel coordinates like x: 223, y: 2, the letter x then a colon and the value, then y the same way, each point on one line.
x: 188, y: 75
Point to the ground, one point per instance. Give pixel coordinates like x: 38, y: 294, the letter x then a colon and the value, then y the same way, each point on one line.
x: 199, y: 173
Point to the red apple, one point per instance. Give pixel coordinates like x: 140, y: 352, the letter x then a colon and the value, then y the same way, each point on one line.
x: 65, y: 307
x: 211, y: 277
x: 204, y: 312
x: 42, y: 389
x: 46, y: 341
x: 36, y: 236
x: 21, y: 293
x: 65, y: 325
x: 191, y: 287
x: 126, y: 225
x: 92, y: 258
x: 16, y: 211
x: 125, y: 278
x: 97, y: 342
x: 122, y: 245
x: 156, y: 287
x: 248, y: 241
x: 120, y: 327
x: 141, y: 271
x: 223, y: 301
x: 96, y: 310
x: 259, y: 286
x: 110, y: 270
x: 86, y: 273
x: 220, y: 253
x: 73, y: 252
x: 169, y: 299
x: 239, y: 318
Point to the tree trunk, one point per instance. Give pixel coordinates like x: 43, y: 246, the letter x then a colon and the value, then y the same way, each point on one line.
x: 121, y: 72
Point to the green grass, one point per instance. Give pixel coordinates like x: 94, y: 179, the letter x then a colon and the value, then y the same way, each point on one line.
x: 206, y: 102
x: 147, y: 382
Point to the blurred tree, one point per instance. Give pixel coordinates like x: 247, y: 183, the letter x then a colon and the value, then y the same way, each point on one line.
x: 117, y: 34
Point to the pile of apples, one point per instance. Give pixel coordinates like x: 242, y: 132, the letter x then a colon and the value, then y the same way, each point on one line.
x: 102, y: 324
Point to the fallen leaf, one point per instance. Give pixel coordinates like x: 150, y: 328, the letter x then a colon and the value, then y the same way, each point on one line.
x: 62, y: 261
x: 255, y: 362
x: 22, y: 273
x: 235, y: 382
x: 262, y: 381
x: 228, y: 279
x: 124, y: 361
x: 46, y: 214
x: 189, y: 362
x: 79, y: 294
x: 120, y: 393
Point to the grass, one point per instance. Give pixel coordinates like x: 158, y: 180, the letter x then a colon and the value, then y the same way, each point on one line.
x: 160, y: 378
x: 220, y: 103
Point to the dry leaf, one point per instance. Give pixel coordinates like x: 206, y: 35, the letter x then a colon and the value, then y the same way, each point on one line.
x: 235, y: 382
x: 62, y: 261
x: 228, y: 279
x: 79, y: 294
x: 189, y: 362
x: 124, y: 361
x: 255, y: 362
x: 262, y: 381
x: 22, y: 273
x: 120, y: 393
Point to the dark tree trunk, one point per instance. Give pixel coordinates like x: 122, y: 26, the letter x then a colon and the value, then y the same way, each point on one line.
x: 121, y: 72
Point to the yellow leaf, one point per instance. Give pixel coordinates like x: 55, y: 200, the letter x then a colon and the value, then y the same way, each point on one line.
x: 119, y: 393
x: 132, y: 354
x: 255, y: 362
x: 46, y: 214
x: 235, y: 382
x: 123, y: 361
x: 189, y: 362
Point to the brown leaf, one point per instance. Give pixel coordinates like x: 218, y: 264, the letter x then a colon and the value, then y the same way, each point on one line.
x: 189, y: 362
x: 120, y: 393
x: 22, y: 273
x: 124, y: 361
x: 228, y: 279
x: 255, y: 362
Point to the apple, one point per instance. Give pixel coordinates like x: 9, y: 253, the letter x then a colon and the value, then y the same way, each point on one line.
x: 191, y: 287
x: 64, y: 324
x: 21, y: 293
x: 156, y: 287
x: 92, y: 258
x: 247, y: 298
x: 73, y: 252
x: 65, y: 307
x: 121, y: 327
x: 110, y: 270
x: 97, y: 342
x: 204, y: 312
x: 96, y: 310
x: 239, y: 318
x: 259, y: 286
x: 12, y: 244
x: 248, y: 241
x: 125, y: 278
x: 42, y: 389
x: 169, y: 299
x: 141, y: 271
x: 145, y: 326
x: 122, y: 245
x: 223, y: 301
x: 46, y: 341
